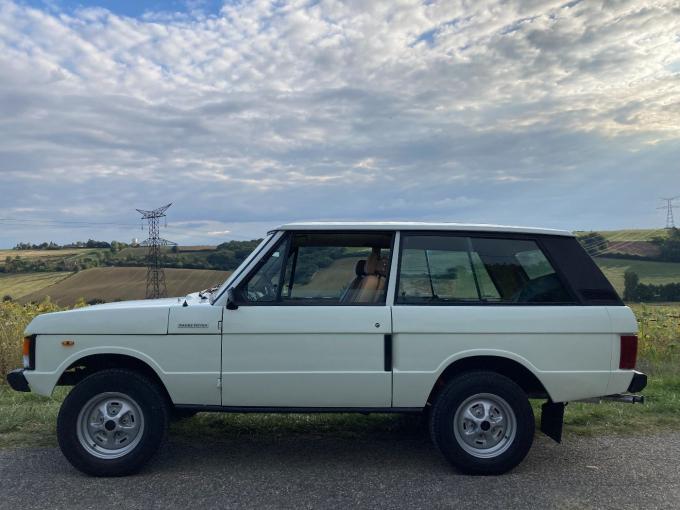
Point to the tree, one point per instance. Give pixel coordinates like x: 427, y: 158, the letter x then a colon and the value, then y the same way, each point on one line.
x: 670, y: 246
x: 631, y: 282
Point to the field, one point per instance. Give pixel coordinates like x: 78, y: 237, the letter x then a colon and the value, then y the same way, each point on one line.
x: 632, y: 234
x: 648, y: 271
x: 41, y: 254
x: 20, y: 284
x: 122, y: 283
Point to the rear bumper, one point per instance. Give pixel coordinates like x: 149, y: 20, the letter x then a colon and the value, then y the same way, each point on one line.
x: 638, y: 383
x: 17, y: 380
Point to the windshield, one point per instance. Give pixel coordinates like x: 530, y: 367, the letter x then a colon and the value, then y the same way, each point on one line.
x: 222, y: 288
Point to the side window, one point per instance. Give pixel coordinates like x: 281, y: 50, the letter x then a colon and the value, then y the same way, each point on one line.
x: 518, y: 270
x: 436, y: 269
x: 337, y: 268
x: 449, y: 269
x: 322, y: 268
x: 262, y: 286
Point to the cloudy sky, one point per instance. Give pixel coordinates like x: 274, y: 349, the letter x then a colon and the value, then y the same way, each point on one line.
x: 248, y: 114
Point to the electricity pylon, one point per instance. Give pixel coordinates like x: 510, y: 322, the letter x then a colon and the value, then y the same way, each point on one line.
x: 155, y: 276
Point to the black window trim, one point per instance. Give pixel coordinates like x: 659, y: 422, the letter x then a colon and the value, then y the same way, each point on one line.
x: 537, y: 238
x: 288, y: 234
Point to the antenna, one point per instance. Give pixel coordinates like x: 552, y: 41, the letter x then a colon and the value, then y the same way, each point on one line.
x: 155, y: 276
x: 670, y: 222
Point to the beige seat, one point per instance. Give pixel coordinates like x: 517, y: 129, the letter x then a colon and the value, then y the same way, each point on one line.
x: 369, y: 284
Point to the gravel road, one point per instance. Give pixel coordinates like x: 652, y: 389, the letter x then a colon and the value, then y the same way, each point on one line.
x: 377, y: 472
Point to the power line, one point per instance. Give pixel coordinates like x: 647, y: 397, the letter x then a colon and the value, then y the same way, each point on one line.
x: 670, y: 222
x: 155, y: 276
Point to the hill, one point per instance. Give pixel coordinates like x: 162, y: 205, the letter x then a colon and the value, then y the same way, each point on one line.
x: 123, y: 283
x: 22, y: 284
x: 649, y: 271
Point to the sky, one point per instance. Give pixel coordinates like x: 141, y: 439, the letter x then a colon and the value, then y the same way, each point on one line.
x: 249, y: 114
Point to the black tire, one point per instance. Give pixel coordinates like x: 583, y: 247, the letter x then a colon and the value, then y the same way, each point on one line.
x: 146, y: 395
x: 181, y: 414
x: 459, y: 391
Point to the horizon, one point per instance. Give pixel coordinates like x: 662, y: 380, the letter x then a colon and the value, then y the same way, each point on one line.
x: 250, y: 115
x: 218, y: 242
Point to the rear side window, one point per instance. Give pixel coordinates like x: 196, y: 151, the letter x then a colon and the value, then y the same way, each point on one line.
x: 449, y: 269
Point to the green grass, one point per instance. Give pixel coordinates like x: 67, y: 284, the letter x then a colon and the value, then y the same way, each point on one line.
x: 649, y: 271
x: 30, y: 420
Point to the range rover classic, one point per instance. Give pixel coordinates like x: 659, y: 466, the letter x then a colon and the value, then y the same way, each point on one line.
x: 461, y: 323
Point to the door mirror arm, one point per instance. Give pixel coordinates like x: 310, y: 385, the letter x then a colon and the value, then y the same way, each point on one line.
x: 231, y: 299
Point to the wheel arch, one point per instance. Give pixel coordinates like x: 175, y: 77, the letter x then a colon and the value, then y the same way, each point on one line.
x: 503, y: 365
x: 90, y: 363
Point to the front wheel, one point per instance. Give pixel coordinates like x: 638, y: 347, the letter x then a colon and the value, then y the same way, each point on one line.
x: 482, y: 423
x: 112, y: 422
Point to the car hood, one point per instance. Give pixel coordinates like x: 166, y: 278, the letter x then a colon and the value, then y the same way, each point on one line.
x: 149, y: 317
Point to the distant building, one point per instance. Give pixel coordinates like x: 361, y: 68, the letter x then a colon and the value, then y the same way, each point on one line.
x: 135, y: 242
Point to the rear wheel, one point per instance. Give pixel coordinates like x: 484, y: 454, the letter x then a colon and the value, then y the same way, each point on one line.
x: 112, y: 422
x: 482, y: 423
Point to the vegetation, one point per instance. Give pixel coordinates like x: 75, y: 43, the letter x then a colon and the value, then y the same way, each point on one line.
x: 648, y: 293
x: 649, y: 272
x: 105, y: 284
x: 669, y: 246
x: 14, y: 317
x: 90, y: 243
x: 49, y: 257
x: 27, y: 419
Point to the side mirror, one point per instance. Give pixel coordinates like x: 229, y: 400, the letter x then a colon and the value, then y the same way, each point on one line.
x: 231, y: 299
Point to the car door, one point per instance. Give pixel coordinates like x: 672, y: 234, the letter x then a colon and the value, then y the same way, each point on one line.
x: 309, y: 330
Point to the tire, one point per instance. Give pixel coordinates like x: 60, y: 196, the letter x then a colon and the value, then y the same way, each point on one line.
x: 112, y: 422
x: 497, y: 432
x: 181, y: 414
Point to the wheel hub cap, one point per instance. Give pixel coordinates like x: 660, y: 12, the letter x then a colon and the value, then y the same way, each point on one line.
x: 110, y: 425
x: 485, y: 425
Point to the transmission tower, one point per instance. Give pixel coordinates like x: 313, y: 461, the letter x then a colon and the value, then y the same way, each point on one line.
x: 155, y: 276
x: 670, y: 222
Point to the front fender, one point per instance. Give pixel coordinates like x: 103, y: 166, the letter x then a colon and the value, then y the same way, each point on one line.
x: 42, y: 380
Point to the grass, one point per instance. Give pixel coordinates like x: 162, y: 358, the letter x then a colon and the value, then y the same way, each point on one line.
x: 21, y: 284
x: 29, y: 420
x: 649, y: 271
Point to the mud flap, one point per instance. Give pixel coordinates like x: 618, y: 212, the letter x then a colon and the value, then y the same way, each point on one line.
x: 552, y: 418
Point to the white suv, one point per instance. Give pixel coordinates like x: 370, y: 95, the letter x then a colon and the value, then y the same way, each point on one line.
x: 465, y: 323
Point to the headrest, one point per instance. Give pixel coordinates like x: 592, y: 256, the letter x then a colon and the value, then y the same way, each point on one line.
x: 360, y: 268
x: 372, y: 263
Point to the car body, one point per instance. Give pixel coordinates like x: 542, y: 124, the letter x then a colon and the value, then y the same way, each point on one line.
x: 367, y: 317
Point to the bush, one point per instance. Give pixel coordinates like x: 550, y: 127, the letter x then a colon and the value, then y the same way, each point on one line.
x: 14, y: 317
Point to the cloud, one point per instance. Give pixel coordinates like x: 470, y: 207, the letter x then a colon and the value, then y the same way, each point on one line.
x: 268, y: 112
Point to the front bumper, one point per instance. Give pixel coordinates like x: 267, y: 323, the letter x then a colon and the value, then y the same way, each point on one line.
x: 17, y: 380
